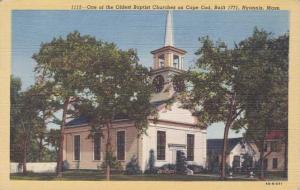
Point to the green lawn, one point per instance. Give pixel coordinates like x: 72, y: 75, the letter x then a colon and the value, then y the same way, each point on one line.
x: 98, y: 176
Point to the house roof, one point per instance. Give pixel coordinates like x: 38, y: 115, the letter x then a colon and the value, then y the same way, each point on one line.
x: 276, y: 134
x: 215, y: 146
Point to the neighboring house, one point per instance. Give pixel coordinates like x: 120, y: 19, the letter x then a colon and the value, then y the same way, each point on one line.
x: 237, y: 148
x: 275, y: 151
x: 175, y: 129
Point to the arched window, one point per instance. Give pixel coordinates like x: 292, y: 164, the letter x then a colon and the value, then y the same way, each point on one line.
x: 161, y: 60
x: 176, y: 61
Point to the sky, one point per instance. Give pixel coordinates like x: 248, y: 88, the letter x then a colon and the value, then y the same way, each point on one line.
x: 141, y: 30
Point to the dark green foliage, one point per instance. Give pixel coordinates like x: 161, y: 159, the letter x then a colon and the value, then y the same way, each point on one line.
x: 167, y: 169
x: 151, y: 169
x: 102, y: 81
x: 244, y: 87
x: 211, y: 94
x: 247, y: 164
x: 31, y: 112
x: 132, y: 167
x: 115, y: 165
x: 262, y: 86
x: 181, y: 164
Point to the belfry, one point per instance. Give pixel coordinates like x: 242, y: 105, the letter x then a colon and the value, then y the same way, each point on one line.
x: 167, y: 61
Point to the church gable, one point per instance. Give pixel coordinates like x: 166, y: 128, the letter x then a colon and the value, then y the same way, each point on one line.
x: 177, y: 114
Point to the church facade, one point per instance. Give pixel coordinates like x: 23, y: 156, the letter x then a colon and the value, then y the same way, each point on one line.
x: 175, y: 129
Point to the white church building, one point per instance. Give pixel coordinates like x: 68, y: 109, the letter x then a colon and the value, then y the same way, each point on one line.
x: 175, y: 129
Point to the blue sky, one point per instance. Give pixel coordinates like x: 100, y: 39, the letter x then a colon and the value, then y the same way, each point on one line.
x: 141, y: 30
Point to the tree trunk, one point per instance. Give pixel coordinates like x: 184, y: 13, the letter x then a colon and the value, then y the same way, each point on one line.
x: 224, y: 151
x: 24, y: 161
x: 228, y: 124
x: 60, y: 153
x: 262, y: 167
x: 108, y: 151
x: 41, y: 137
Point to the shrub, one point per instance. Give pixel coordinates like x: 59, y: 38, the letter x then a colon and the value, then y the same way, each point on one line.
x: 114, y: 163
x: 151, y: 161
x: 155, y: 170
x: 247, y: 163
x: 167, y: 169
x: 181, y: 164
x: 132, y: 168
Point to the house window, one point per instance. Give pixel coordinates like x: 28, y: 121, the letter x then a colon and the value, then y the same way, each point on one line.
x: 161, y: 145
x: 77, y: 147
x: 190, y: 147
x: 236, y: 163
x: 265, y: 164
x: 275, y: 146
x: 275, y: 163
x: 121, y: 145
x: 266, y: 147
x: 97, y: 146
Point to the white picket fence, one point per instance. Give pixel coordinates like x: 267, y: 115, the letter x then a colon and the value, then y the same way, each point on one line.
x: 36, y: 167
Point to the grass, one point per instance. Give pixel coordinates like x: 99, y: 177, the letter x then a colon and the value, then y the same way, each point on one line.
x: 276, y: 176
x: 92, y: 175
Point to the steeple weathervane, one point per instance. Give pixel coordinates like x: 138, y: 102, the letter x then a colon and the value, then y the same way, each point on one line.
x: 169, y: 30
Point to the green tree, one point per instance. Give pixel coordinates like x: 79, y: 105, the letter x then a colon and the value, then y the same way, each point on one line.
x: 118, y: 86
x: 262, y: 86
x: 61, y: 64
x: 15, y: 89
x: 45, y: 108
x: 24, y: 123
x: 53, y: 139
x: 210, y: 93
x: 103, y: 80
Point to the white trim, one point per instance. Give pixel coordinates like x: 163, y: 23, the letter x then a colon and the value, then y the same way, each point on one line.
x: 74, y: 148
x: 93, y: 149
x: 187, y: 129
x: 116, y: 141
x: 124, y: 123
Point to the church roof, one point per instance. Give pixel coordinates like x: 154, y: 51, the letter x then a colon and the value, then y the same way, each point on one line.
x: 82, y: 120
x: 215, y: 146
x: 77, y: 121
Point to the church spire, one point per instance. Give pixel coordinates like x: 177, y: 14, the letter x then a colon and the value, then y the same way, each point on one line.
x: 169, y: 30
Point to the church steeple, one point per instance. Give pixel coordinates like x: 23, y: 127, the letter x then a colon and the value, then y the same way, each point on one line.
x: 169, y: 30
x: 167, y: 62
